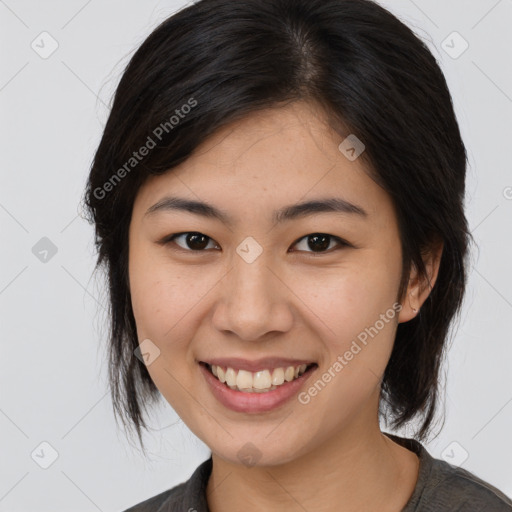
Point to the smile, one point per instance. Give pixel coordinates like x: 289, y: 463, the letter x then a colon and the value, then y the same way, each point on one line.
x: 257, y: 382
x: 259, y: 387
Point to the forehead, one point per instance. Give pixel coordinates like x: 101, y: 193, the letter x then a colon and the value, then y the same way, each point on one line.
x: 267, y: 160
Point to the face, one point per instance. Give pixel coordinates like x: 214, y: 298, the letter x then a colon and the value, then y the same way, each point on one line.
x: 248, y: 289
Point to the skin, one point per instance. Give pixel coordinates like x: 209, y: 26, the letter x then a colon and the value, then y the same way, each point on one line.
x: 290, y: 302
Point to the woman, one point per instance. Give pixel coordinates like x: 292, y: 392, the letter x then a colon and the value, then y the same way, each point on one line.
x: 278, y: 202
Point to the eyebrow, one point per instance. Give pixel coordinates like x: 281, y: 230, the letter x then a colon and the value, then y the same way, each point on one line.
x: 287, y: 213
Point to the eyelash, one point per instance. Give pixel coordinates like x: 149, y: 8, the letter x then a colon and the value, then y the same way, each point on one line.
x: 342, y: 243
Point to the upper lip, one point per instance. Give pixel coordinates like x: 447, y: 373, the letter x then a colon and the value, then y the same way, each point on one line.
x: 257, y: 364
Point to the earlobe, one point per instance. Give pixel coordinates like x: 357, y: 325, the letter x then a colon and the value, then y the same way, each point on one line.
x: 420, y: 288
x: 414, y: 310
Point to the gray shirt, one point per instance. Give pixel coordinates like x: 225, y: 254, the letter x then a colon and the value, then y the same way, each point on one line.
x: 441, y: 487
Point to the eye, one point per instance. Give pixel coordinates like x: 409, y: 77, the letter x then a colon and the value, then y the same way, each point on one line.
x: 319, y: 242
x: 194, y: 241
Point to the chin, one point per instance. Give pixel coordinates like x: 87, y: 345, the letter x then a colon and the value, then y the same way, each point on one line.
x: 249, y: 452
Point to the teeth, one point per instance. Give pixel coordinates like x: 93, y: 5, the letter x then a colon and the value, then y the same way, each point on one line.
x: 278, y: 376
x: 257, y: 382
x: 289, y: 373
x: 243, y: 379
x: 261, y: 380
x: 230, y: 377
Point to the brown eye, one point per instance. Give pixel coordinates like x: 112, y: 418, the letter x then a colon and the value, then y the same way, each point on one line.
x: 320, y: 242
x: 193, y: 241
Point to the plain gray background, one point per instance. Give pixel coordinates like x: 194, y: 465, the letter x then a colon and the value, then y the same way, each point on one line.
x: 53, y: 365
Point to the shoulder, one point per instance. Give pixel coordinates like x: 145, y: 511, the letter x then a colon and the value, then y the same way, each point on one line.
x: 159, y: 501
x: 186, y: 497
x: 442, y: 486
x: 455, y: 488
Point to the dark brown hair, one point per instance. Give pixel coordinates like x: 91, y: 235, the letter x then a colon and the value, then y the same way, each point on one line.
x: 373, y: 77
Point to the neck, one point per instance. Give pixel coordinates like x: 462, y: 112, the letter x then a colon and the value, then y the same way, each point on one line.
x: 362, y: 472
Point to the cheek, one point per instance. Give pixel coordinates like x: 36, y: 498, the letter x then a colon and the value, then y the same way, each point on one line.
x: 356, y: 321
x: 166, y: 298
x: 152, y: 292
x: 354, y: 305
x: 160, y: 309
x: 157, y: 303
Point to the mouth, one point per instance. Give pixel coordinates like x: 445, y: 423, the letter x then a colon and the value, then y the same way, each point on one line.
x: 264, y: 380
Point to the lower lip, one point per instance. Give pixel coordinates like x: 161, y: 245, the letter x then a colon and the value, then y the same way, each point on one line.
x: 254, y: 402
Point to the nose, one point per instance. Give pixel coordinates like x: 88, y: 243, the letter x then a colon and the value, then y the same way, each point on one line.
x: 254, y: 301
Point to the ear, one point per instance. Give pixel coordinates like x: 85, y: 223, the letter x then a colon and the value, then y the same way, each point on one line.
x: 418, y: 289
